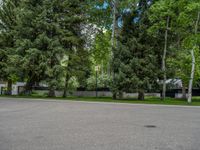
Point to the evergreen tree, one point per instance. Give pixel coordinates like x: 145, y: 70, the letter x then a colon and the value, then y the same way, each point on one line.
x: 8, y: 58
x: 134, y: 59
x: 47, y: 31
x: 38, y: 42
x: 72, y: 21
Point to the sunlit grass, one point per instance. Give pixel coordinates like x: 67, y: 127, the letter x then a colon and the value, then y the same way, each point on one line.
x: 148, y: 100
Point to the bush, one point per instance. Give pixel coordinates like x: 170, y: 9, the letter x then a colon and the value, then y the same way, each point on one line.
x: 73, y: 84
x: 103, y: 81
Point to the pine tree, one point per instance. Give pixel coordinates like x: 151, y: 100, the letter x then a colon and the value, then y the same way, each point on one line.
x: 53, y: 29
x: 38, y: 43
x: 8, y: 57
x: 134, y: 59
x: 72, y: 20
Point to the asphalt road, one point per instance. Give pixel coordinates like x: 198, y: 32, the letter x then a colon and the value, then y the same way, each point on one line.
x: 60, y: 125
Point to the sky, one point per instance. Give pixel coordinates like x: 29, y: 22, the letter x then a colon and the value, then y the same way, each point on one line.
x: 105, y: 5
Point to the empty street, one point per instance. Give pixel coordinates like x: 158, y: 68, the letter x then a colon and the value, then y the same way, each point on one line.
x: 68, y: 125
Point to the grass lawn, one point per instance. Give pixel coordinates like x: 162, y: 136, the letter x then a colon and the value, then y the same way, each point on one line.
x: 148, y: 100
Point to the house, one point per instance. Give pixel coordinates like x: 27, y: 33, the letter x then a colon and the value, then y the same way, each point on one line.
x: 15, y: 87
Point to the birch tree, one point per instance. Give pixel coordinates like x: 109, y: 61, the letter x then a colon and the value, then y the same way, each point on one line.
x: 162, y: 15
x: 184, y: 38
x: 114, y: 16
x: 188, y: 25
x: 193, y: 61
x: 164, y: 59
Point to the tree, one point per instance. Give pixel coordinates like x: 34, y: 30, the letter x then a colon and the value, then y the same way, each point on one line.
x: 77, y: 65
x: 100, y: 51
x: 193, y: 61
x: 180, y: 31
x: 8, y: 57
x: 134, y: 58
x: 163, y: 14
x: 106, y: 15
x: 180, y: 67
x: 188, y: 19
x: 39, y: 46
x: 72, y: 39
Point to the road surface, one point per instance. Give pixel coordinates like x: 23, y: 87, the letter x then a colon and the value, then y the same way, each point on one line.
x: 68, y: 125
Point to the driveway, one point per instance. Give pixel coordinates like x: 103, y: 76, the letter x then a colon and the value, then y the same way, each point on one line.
x: 68, y: 125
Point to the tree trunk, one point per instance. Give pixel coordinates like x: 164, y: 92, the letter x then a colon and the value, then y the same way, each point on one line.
x: 114, y: 96
x: 28, y: 87
x: 141, y: 95
x: 191, y: 77
x: 66, y: 86
x: 193, y: 65
x: 114, y: 14
x: 164, y: 60
x: 65, y: 90
x: 51, y: 92
x: 183, y: 92
x: 113, y: 22
x: 9, y: 87
x: 121, y: 95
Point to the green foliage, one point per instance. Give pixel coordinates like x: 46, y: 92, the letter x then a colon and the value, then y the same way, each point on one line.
x: 101, y: 51
x: 181, y: 66
x: 39, y: 47
x: 51, y: 34
x: 36, y: 37
x: 182, y: 39
x: 103, y: 81
x: 8, y: 57
x: 98, y: 14
x: 134, y: 59
x: 73, y: 84
x: 185, y: 23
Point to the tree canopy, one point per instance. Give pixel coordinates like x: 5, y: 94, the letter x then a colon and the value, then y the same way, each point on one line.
x: 136, y: 44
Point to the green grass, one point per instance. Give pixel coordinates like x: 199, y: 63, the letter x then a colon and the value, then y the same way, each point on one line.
x: 148, y: 100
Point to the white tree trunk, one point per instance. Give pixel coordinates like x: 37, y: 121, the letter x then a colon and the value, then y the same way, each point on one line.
x: 193, y: 65
x: 191, y: 77
x: 164, y: 60
x: 113, y: 22
x: 113, y: 37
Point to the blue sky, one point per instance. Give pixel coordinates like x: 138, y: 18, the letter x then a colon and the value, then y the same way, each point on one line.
x: 104, y: 6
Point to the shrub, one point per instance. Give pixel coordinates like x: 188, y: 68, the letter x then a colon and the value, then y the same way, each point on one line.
x: 103, y: 81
